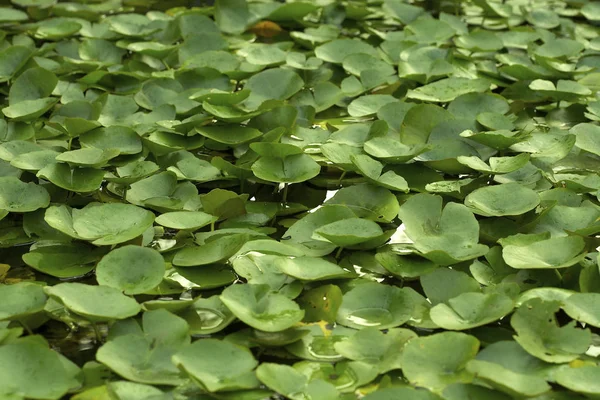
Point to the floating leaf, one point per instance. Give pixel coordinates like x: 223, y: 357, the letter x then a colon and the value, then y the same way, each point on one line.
x: 260, y: 308
x: 218, y: 365
x: 21, y: 361
x: 373, y: 305
x: 96, y: 303
x: 444, y: 236
x: 21, y: 299
x: 541, y: 336
x: 132, y: 269
x: 18, y: 196
x: 438, y: 360
x: 448, y: 89
x: 500, y: 200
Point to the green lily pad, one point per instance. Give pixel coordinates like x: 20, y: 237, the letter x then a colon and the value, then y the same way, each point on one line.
x: 292, y: 383
x: 132, y: 269
x: 470, y: 310
x: 448, y: 89
x: 372, y: 346
x: 272, y: 84
x: 581, y: 380
x: 438, y: 360
x: 218, y: 365
x: 497, y: 165
x: 207, y: 315
x: 65, y: 260
x: 291, y: 169
x: 74, y: 179
x: 349, y: 232
x: 119, y: 138
x: 18, y: 196
x: 507, y: 381
x: 21, y: 361
x: 540, y: 335
x: 559, y: 252
x: 145, y: 356
x: 583, y: 307
x: 367, y: 201
x: 229, y: 134
x: 310, y: 268
x: 407, y: 392
x: 374, y: 305
x: 95, y: 303
x: 191, y: 220
x: 20, y: 300
x: 392, y: 151
x: 90, y: 157
x: 337, y: 50
x: 259, y: 307
x: 443, y: 236
x: 214, y: 251
x: 500, y: 200
x: 28, y: 110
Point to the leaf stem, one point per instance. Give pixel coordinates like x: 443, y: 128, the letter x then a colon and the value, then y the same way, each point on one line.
x: 26, y: 327
x: 97, y: 332
x: 285, y: 193
x: 338, y: 253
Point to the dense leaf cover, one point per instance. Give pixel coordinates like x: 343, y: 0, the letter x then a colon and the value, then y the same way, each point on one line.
x: 306, y: 199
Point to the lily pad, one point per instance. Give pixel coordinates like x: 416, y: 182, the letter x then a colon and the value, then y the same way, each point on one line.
x: 348, y: 232
x: 443, y: 236
x: 21, y: 361
x: 95, y: 303
x: 373, y: 305
x: 18, y: 196
x: 540, y: 335
x: 132, y: 269
x: 501, y: 200
x: 259, y: 307
x: 438, y: 360
x: 20, y: 300
x: 218, y: 365
x: 101, y: 223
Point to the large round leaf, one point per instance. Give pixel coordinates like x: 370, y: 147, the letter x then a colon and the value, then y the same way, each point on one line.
x: 584, y: 307
x: 21, y: 299
x: 218, y: 365
x: 439, y: 360
x: 103, y: 224
x: 18, y: 196
x: 25, y: 362
x: 291, y: 169
x: 540, y: 335
x: 185, y: 219
x: 272, y: 84
x: 214, y: 251
x: 583, y: 379
x: 96, y: 303
x: 507, y: 381
x: 349, y: 232
x: 310, y: 268
x: 73, y: 179
x: 444, y: 236
x: 559, y: 252
x: 132, y: 269
x: 293, y: 384
x: 145, y: 357
x: 375, y: 305
x: 67, y: 260
x: 470, y: 310
x: 259, y: 307
x: 372, y: 346
x: 500, y: 200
